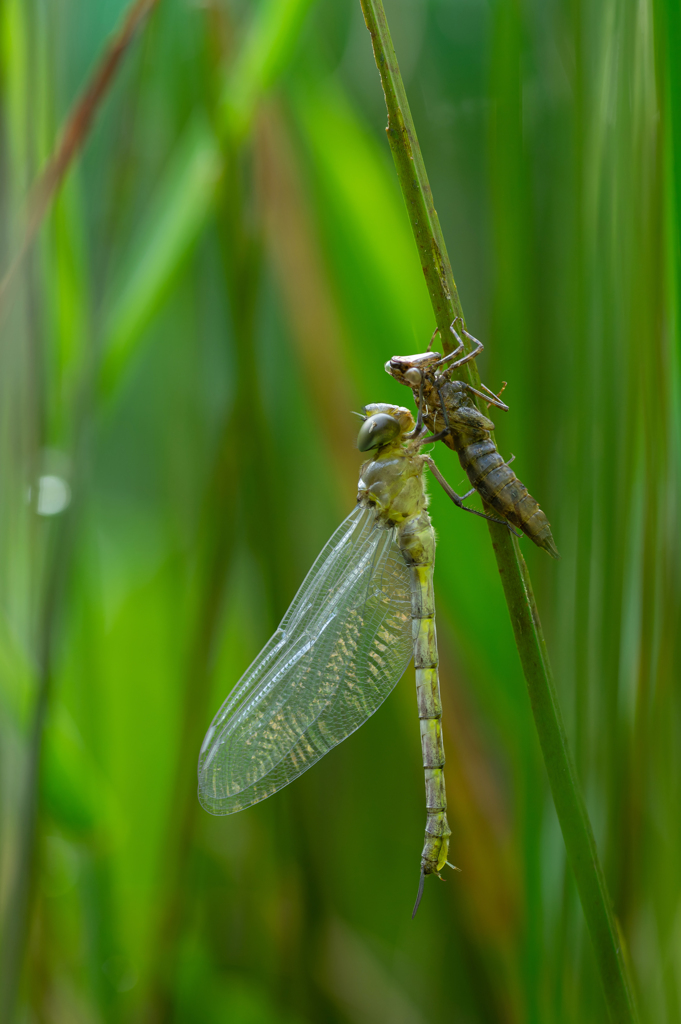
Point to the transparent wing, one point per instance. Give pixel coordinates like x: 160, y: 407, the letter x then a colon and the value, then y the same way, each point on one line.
x: 341, y: 648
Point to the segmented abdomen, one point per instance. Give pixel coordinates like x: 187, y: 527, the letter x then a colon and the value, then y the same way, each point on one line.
x: 498, y: 485
x: 416, y: 538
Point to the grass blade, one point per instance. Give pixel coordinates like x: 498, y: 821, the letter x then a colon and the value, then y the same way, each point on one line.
x: 177, y: 214
x: 76, y: 130
x: 184, y: 199
x: 575, y: 825
x: 265, y: 53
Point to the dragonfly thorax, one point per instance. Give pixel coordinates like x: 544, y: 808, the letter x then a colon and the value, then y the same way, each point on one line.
x: 392, y: 482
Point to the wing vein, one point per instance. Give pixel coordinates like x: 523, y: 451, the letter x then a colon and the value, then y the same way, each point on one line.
x: 342, y: 646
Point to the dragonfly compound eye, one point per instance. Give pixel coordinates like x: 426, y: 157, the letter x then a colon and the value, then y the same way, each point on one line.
x: 399, y: 367
x: 376, y: 431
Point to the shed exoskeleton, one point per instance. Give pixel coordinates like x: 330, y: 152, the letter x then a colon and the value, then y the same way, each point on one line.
x: 447, y: 408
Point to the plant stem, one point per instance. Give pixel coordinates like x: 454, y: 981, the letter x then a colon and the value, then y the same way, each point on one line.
x: 574, y: 821
x: 75, y: 131
x: 17, y: 912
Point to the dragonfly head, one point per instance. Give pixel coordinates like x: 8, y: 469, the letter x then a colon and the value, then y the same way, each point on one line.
x: 383, y: 424
x: 409, y: 369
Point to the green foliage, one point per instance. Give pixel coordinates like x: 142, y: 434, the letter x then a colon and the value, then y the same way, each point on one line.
x: 213, y: 292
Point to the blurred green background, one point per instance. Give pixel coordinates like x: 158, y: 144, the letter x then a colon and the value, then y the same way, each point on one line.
x: 223, y: 275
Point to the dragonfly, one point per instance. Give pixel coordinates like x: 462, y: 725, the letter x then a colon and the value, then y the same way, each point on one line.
x: 365, y: 609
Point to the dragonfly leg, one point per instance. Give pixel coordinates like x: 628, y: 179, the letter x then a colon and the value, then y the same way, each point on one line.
x: 473, y: 353
x: 457, y: 350
x: 442, y: 433
x: 469, y: 355
x: 435, y: 437
x: 456, y: 498
x: 490, y: 397
x: 432, y: 339
x: 419, y: 419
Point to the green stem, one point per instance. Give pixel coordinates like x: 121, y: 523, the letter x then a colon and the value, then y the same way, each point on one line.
x: 574, y: 821
x: 75, y: 132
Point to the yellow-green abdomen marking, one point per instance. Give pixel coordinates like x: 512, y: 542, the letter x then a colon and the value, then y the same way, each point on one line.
x: 417, y: 542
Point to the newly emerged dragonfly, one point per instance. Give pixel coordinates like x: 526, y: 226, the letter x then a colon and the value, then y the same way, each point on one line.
x: 364, y: 610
